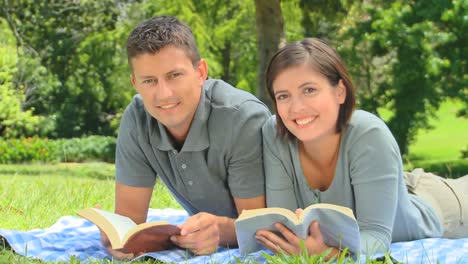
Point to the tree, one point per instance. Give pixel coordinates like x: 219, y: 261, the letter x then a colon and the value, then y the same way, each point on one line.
x: 14, y: 121
x: 270, y: 37
x: 52, y: 35
x: 405, y: 49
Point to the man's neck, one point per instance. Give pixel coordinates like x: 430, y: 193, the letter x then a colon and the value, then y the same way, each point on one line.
x: 177, y: 141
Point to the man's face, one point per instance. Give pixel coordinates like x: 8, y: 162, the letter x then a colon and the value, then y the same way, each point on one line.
x: 170, y: 87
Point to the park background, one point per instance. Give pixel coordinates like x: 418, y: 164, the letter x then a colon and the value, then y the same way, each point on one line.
x: 64, y: 83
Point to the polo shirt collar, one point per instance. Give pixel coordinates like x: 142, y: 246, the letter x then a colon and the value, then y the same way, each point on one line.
x: 197, y: 137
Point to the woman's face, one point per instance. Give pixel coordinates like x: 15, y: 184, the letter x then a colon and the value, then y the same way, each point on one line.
x: 307, y: 103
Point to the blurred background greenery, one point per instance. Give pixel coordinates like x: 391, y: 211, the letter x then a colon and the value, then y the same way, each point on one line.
x: 64, y: 73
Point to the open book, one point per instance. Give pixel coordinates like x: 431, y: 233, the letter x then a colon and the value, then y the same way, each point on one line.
x: 337, y: 223
x: 127, y: 236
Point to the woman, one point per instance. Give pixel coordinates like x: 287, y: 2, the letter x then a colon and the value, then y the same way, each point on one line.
x: 319, y: 149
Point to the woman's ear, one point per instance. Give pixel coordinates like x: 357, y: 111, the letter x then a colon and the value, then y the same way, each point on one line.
x: 341, y: 92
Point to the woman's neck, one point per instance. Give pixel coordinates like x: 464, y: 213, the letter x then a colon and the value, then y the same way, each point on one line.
x: 323, y: 152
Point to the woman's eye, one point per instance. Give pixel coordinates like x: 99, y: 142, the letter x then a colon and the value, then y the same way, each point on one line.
x: 309, y: 90
x: 281, y: 97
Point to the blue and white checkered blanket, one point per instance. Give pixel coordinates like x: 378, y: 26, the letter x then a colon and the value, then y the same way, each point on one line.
x: 74, y: 236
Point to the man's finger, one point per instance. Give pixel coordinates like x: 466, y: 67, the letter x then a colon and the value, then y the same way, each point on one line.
x: 195, y: 223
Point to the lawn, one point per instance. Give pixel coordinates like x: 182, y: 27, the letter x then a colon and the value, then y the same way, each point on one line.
x: 35, y: 196
x: 439, y: 149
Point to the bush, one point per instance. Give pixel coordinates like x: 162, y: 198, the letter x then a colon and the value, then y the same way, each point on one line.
x: 31, y: 149
x: 35, y: 149
x: 447, y: 169
x: 96, y: 148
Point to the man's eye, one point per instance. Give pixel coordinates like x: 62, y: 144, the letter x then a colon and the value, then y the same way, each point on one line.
x: 174, y: 75
x: 148, y: 81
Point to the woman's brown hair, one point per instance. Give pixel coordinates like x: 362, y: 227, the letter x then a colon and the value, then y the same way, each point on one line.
x: 323, y: 59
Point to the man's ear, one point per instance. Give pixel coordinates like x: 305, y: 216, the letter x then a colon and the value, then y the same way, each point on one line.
x: 133, y: 79
x: 341, y: 92
x: 202, y: 69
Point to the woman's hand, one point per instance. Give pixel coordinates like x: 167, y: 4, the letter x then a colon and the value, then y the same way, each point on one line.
x: 314, y: 243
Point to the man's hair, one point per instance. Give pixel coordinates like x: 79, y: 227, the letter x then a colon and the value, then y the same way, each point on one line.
x: 323, y: 59
x: 150, y: 36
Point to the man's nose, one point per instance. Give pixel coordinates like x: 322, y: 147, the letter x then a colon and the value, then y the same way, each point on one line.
x: 163, y: 91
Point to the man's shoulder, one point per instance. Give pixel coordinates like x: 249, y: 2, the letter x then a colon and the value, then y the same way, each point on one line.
x: 135, y: 113
x: 223, y: 95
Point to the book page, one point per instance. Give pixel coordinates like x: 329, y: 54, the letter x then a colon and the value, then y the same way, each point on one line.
x: 345, y: 210
x: 122, y: 224
x: 267, y: 211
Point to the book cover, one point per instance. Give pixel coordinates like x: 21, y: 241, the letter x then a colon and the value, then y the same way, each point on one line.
x: 337, y: 224
x: 126, y: 236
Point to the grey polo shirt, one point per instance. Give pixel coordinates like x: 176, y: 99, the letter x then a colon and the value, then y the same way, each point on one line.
x: 221, y: 157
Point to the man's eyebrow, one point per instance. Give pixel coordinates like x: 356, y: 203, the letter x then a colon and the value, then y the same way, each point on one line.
x: 146, y: 76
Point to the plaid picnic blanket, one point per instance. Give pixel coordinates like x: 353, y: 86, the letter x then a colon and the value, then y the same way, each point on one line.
x: 74, y: 236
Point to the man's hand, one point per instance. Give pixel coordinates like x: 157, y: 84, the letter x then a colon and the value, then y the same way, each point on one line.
x: 314, y: 243
x: 115, y: 253
x: 203, y: 233
x: 106, y: 243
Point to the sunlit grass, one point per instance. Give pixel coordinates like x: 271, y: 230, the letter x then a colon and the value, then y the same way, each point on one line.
x: 36, y: 196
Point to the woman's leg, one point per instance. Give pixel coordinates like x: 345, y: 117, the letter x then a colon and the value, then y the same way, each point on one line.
x: 448, y: 197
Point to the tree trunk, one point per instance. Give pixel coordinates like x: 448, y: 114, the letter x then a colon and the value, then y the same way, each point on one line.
x: 270, y: 37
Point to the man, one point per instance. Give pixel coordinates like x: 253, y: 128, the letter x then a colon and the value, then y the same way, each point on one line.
x: 201, y: 137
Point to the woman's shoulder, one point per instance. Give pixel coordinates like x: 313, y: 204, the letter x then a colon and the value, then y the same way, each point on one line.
x: 363, y: 122
x: 367, y: 127
x: 272, y: 140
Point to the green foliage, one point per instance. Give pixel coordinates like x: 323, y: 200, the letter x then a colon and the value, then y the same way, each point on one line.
x: 66, y: 73
x: 72, y: 62
x: 97, y: 148
x: 449, y: 169
x: 13, y: 120
x: 225, y: 35
x: 32, y: 149
x: 405, y: 56
x: 35, y: 149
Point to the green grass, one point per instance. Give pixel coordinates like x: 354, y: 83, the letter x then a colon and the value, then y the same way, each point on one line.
x: 439, y: 149
x: 35, y: 196
x: 446, y: 140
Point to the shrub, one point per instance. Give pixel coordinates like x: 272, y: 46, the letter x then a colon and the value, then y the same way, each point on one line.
x: 86, y: 149
x: 35, y: 149
x: 31, y: 149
